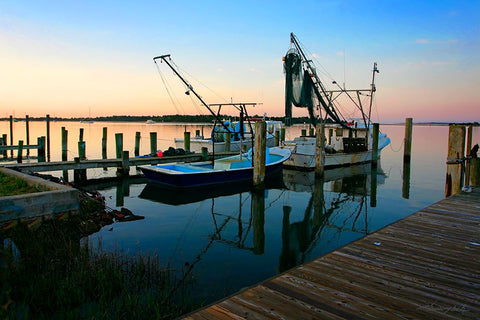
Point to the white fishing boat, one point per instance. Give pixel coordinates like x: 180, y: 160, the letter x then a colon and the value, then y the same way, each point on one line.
x: 241, y: 135
x: 347, y: 142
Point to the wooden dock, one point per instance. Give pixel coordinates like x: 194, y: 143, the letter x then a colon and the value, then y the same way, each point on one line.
x: 425, y: 266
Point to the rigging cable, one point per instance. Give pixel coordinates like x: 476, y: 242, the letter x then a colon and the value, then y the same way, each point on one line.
x: 168, y: 91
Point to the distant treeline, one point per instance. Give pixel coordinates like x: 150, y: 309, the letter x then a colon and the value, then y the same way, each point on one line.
x: 166, y: 118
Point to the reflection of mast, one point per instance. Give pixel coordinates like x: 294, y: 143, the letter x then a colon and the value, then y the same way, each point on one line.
x: 300, y: 238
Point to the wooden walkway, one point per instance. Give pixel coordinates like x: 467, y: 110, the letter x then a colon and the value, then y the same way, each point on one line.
x: 425, y: 266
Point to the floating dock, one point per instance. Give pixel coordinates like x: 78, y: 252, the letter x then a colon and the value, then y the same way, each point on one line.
x: 425, y: 266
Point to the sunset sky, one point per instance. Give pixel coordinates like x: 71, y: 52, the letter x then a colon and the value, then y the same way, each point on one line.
x: 75, y: 58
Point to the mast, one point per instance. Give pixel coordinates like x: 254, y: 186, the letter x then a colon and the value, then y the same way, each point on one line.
x: 317, y: 84
x: 190, y: 88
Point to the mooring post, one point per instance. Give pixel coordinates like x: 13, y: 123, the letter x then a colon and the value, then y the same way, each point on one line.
x: 375, y: 134
x: 81, y: 150
x: 468, y: 155
x: 79, y: 175
x: 197, y: 133
x: 406, y: 180
x: 304, y: 132
x: 258, y: 208
x: 137, y: 144
x: 47, y: 119
x: 27, y: 132
x: 119, y: 144
x: 277, y: 138
x: 259, y: 154
x: 64, y: 144
x: 330, y: 135
x: 104, y: 143
x: 11, y: 135
x: 228, y: 141
x: 186, y: 140
x: 407, y: 147
x: 80, y: 135
x: 41, y: 149
x: 282, y: 134
x: 204, y: 153
x: 20, y: 151
x: 124, y: 170
x: 64, y: 151
x: 153, y: 144
x: 311, y: 132
x: 320, y: 151
x: 4, y: 138
x: 373, y: 186
x: 455, y: 154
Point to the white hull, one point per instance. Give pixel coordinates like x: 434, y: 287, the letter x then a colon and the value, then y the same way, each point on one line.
x: 196, y: 144
x: 303, y: 154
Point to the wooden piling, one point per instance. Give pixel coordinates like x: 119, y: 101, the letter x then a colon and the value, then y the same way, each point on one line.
x: 319, y: 151
x: 137, y: 144
x: 104, y: 143
x: 228, y: 141
x: 4, y: 139
x: 47, y: 119
x: 468, y: 155
x: 124, y: 170
x: 304, y: 132
x: 119, y: 144
x: 65, y: 151
x: 455, y: 154
x: 27, y: 132
x: 11, y: 135
x: 277, y: 138
x: 310, y: 132
x: 64, y: 144
x: 406, y: 180
x: 375, y: 134
x: 204, y: 153
x: 20, y: 151
x: 258, y: 212
x: 373, y: 186
x: 259, y: 154
x: 153, y: 143
x: 41, y: 149
x: 282, y: 134
x: 81, y: 150
x: 407, y: 148
x: 79, y: 175
x: 186, y: 141
x: 80, y: 135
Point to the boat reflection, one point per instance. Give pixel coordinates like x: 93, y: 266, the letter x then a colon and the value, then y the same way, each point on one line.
x: 338, y: 204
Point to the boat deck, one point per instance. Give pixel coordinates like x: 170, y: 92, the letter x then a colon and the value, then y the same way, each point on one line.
x: 426, y: 265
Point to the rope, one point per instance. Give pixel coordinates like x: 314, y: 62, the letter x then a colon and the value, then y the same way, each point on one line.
x: 167, y: 89
x: 401, y: 146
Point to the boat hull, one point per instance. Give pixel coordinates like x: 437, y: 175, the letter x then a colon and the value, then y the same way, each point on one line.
x: 180, y: 176
x: 303, y: 155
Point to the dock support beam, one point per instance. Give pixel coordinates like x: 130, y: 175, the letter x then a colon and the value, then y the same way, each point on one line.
x: 153, y: 144
x: 456, y: 147
x: 320, y: 151
x: 375, y: 134
x: 407, y: 149
x: 186, y: 141
x: 104, y: 143
x: 119, y: 144
x: 259, y: 155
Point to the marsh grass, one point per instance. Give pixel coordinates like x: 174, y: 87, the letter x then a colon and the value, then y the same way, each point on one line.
x: 46, y: 273
x: 10, y: 186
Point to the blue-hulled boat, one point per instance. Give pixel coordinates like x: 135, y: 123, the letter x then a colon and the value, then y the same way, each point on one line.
x: 238, y: 168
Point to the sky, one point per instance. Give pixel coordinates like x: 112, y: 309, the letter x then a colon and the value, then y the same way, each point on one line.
x: 80, y: 58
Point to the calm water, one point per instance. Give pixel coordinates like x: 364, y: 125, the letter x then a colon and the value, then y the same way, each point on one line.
x: 220, y: 243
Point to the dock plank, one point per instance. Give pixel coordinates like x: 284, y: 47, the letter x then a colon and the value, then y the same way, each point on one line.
x: 426, y: 265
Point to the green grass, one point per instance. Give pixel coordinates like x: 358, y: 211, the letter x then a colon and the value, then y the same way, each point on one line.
x: 10, y: 186
x: 50, y: 272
